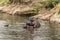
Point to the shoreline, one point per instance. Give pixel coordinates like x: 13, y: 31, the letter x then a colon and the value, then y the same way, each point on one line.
x: 50, y: 15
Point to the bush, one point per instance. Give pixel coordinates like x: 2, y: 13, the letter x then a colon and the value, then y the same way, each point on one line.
x: 50, y: 3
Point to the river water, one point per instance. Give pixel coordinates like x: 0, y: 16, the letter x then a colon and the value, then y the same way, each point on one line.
x: 11, y: 28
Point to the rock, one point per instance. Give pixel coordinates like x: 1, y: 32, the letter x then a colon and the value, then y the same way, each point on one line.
x: 4, y: 23
x: 24, y: 10
x: 55, y: 18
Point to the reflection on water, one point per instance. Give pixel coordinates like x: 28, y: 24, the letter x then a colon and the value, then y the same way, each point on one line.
x: 15, y: 31
x: 11, y: 18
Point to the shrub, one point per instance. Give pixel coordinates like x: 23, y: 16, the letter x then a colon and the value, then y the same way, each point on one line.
x: 50, y: 3
x: 55, y: 1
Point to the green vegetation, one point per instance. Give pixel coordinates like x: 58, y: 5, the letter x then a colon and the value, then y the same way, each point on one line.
x: 3, y: 2
x: 37, y: 6
x: 50, y: 3
x: 58, y: 6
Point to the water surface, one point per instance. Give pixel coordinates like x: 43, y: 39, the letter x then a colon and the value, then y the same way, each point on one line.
x: 15, y: 31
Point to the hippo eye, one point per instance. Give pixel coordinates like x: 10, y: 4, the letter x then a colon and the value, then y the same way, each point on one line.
x: 37, y: 18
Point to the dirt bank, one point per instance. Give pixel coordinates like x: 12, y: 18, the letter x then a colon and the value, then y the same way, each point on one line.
x: 51, y: 15
x: 17, y: 9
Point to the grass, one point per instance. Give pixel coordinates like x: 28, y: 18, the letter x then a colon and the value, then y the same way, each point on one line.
x: 3, y: 2
x: 37, y: 7
x: 58, y: 6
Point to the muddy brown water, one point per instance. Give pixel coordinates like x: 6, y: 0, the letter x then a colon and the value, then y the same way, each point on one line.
x: 15, y: 31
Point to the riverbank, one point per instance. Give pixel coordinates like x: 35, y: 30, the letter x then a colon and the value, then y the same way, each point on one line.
x: 45, y: 14
x: 17, y: 9
x: 51, y: 15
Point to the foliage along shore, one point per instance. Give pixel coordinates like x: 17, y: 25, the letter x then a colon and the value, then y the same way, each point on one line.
x: 26, y: 6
